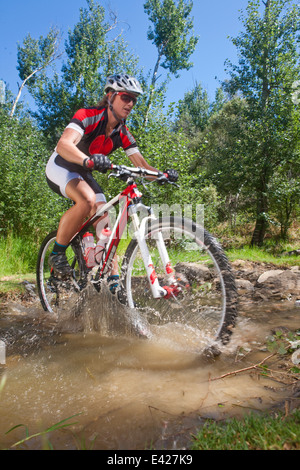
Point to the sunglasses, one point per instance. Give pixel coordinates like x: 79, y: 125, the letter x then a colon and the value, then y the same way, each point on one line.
x: 127, y: 98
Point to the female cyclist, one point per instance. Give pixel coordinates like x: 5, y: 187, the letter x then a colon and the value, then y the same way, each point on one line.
x: 92, y: 135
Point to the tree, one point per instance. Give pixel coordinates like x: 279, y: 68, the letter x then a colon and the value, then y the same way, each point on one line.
x: 222, y: 148
x: 195, y: 109
x: 34, y: 56
x: 285, y: 199
x: 91, y: 55
x: 172, y: 34
x: 268, y: 66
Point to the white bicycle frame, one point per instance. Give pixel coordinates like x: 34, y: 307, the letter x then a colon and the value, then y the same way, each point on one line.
x: 132, y: 206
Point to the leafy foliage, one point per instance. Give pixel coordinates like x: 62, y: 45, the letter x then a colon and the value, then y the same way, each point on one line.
x: 91, y: 56
x: 171, y: 26
x: 36, y: 54
x: 268, y: 66
x: 237, y: 155
x: 25, y: 206
x: 172, y: 34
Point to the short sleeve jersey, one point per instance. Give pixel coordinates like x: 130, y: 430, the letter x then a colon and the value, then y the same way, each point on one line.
x: 91, y: 124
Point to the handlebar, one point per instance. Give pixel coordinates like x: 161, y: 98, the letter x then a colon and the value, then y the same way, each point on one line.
x: 125, y: 172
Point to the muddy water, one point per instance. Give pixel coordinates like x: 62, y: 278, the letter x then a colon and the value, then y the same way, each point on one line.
x: 129, y: 393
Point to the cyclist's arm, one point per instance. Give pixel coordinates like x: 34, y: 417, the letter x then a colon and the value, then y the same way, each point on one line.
x: 138, y: 160
x: 67, y: 149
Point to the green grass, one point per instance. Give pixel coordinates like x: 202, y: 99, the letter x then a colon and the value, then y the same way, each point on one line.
x: 12, y: 285
x: 253, y: 432
x: 262, y: 255
x: 17, y: 255
x: 17, y: 264
x: 18, y: 259
x: 46, y: 444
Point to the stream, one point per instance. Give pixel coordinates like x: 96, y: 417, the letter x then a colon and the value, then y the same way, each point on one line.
x: 128, y: 393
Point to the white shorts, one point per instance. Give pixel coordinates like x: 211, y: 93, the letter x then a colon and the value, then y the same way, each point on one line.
x: 60, y: 172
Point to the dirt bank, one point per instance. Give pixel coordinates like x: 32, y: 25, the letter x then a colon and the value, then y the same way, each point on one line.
x: 257, y: 282
x: 262, y: 282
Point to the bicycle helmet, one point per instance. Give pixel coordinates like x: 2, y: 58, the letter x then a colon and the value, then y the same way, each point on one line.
x: 123, y: 82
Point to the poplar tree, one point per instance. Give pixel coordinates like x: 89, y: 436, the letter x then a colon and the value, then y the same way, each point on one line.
x: 172, y: 34
x: 34, y: 57
x: 94, y: 49
x: 268, y: 65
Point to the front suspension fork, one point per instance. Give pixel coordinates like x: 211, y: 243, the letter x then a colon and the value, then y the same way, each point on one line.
x: 157, y: 290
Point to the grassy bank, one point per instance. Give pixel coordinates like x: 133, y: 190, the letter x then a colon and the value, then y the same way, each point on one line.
x: 17, y: 264
x: 18, y: 255
x: 254, y: 432
x: 18, y: 260
x: 260, y: 255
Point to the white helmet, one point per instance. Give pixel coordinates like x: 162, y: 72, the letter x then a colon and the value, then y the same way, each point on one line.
x: 123, y: 82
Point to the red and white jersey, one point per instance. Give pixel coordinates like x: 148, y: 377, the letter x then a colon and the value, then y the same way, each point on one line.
x: 91, y: 124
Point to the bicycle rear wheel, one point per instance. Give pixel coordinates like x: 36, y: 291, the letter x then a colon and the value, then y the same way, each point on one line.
x: 57, y: 294
x: 205, y: 309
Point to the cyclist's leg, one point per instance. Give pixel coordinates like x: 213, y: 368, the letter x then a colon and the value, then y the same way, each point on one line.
x: 70, y: 181
x: 73, y: 182
x: 87, y: 195
x: 84, y: 198
x: 84, y: 204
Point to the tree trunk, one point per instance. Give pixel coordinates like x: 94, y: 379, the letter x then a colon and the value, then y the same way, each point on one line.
x: 262, y: 201
x: 261, y: 223
x: 152, y: 89
x: 19, y: 95
x: 21, y: 89
x: 259, y: 231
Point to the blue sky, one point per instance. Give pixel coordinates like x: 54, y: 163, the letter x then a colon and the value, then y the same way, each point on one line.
x: 214, y: 21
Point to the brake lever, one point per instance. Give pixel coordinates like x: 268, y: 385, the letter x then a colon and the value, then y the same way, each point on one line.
x: 164, y: 180
x: 146, y: 183
x: 115, y: 175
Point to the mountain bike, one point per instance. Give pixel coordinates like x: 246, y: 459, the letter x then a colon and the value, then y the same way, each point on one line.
x: 172, y: 271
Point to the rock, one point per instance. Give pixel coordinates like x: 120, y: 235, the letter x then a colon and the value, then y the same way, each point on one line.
x: 292, y: 253
x: 280, y: 284
x: 254, y: 281
x: 242, y: 264
x: 244, y: 286
x: 30, y: 288
x: 295, y: 268
x: 272, y: 273
x: 194, y: 271
x: 296, y: 357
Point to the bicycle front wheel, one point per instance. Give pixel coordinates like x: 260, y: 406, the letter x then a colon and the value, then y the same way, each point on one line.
x: 205, y: 309
x: 58, y: 294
